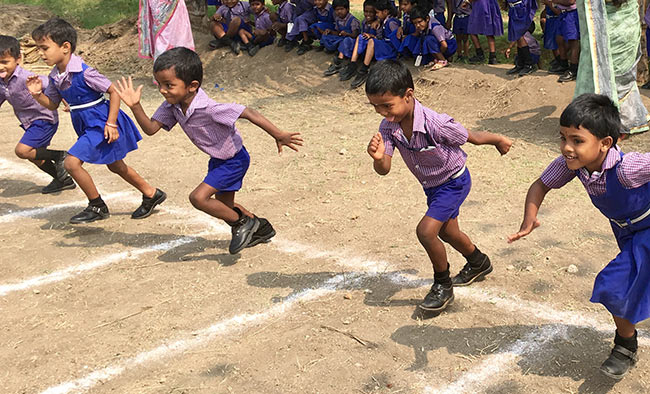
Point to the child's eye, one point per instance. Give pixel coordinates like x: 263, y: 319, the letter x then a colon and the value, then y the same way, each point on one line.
x: 577, y: 141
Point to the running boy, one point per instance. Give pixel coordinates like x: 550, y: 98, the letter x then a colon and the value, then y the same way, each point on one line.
x: 211, y: 127
x: 618, y: 185
x: 39, y: 123
x: 430, y: 144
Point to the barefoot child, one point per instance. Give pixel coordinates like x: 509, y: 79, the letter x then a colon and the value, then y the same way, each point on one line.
x: 429, y: 144
x: 39, y: 123
x: 619, y: 186
x: 211, y: 127
x: 105, y: 133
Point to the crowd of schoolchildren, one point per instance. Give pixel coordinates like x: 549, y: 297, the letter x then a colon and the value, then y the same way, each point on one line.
x: 427, y: 32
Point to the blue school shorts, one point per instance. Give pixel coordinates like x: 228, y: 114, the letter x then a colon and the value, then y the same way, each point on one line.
x: 551, y: 30
x: 460, y: 24
x: 227, y: 175
x: 39, y: 134
x: 444, y: 201
x: 569, y: 27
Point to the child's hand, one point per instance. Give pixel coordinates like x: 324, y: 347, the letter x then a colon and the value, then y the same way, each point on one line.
x: 465, y: 4
x: 400, y: 33
x: 110, y: 133
x: 507, y: 53
x: 376, y: 147
x: 66, y: 106
x: 527, y: 226
x: 503, y: 146
x: 34, y: 85
x: 217, y: 18
x: 125, y: 90
x: 292, y: 140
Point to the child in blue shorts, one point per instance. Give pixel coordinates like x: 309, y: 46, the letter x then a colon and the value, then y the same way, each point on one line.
x: 211, y: 127
x: 39, y: 123
x: 430, y: 145
x: 460, y: 28
x: 105, y: 133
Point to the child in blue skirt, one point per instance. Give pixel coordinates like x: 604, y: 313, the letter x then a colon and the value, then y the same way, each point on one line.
x: 310, y: 25
x: 533, y: 49
x: 346, y: 25
x: 106, y: 134
x: 619, y: 186
x: 485, y: 19
x: 380, y: 47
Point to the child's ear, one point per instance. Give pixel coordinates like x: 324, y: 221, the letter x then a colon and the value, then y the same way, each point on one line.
x: 606, y: 143
x: 67, y: 47
x: 408, y: 95
x: 194, y: 86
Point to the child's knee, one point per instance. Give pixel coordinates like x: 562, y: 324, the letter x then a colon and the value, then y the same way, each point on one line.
x: 118, y: 168
x: 22, y: 151
x: 426, y: 232
x: 196, y: 199
x: 71, y: 163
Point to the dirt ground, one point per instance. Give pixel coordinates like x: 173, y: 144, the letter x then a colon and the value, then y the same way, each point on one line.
x: 159, y: 306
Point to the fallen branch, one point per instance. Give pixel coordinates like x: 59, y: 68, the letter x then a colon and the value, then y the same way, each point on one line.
x: 350, y: 335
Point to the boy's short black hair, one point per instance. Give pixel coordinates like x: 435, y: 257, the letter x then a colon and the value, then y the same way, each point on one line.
x: 9, y: 46
x: 186, y: 63
x: 596, y: 113
x: 57, y: 30
x: 383, y: 5
x: 259, y: 1
x: 341, y: 3
x: 389, y: 76
x: 369, y: 3
x: 418, y: 13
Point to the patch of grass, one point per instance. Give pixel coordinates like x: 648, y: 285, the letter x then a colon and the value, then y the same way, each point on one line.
x: 87, y: 13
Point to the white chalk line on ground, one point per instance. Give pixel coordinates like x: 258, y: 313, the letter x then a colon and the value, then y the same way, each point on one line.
x: 12, y: 167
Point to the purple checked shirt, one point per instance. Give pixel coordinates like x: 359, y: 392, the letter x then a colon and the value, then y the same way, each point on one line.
x: 242, y: 9
x: 26, y: 109
x: 439, y: 31
x: 340, y: 24
x: 286, y: 12
x: 634, y: 171
x: 208, y: 124
x: 444, y: 158
x: 263, y: 20
x: 63, y: 81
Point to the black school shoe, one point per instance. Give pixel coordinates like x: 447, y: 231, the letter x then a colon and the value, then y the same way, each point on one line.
x: 263, y: 234
x: 527, y: 69
x: 348, y: 71
x: 242, y: 231
x: 304, y: 48
x: 148, y: 204
x: 568, y: 76
x: 282, y: 42
x: 90, y: 214
x: 334, y: 68
x: 439, y: 298
x: 469, y: 274
x: 618, y: 363
x: 57, y: 185
x: 288, y: 47
x: 360, y: 79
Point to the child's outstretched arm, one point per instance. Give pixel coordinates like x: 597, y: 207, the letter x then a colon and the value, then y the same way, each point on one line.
x: 35, y: 87
x: 534, y: 198
x: 292, y: 140
x: 376, y: 150
x: 502, y: 143
x: 131, y: 98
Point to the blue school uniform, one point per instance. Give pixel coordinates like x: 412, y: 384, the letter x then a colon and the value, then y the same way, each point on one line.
x: 407, y: 26
x: 349, y: 24
x: 520, y: 15
x: 347, y: 45
x: 623, y: 286
x: 323, y: 21
x: 551, y: 29
x: 386, y: 43
x: 89, y: 122
x: 428, y: 43
x: 461, y: 17
x: 569, y: 24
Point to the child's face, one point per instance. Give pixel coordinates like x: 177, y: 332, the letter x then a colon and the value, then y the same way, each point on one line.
x: 341, y: 12
x: 230, y: 3
x: 320, y: 4
x: 421, y: 24
x: 580, y: 148
x: 392, y: 108
x: 173, y: 89
x: 8, y: 65
x: 405, y: 6
x: 382, y: 14
x: 257, y: 6
x: 369, y: 13
x: 51, y: 52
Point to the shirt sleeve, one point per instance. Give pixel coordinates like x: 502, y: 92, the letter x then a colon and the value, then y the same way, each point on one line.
x: 439, y: 33
x: 393, y: 25
x: 96, y: 81
x: 557, y: 174
x: 355, y: 25
x: 52, y: 92
x: 221, y: 11
x: 634, y: 170
x: 226, y: 114
x: 446, y: 130
x: 387, y: 136
x: 165, y: 115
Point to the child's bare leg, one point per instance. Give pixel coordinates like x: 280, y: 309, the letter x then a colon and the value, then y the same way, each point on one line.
x: 233, y: 26
x: 217, y: 30
x: 478, y: 264
x: 491, y: 44
x: 451, y: 234
x: 439, y: 56
x: 28, y: 153
x: 74, y: 166
x: 624, y: 327
x: 370, y: 52
x: 355, y: 55
x: 221, y: 208
x: 133, y: 178
x: 245, y: 36
x: 442, y: 291
x: 475, y: 41
x: 623, y: 356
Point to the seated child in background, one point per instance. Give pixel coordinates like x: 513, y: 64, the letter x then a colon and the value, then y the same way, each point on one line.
x: 368, y: 26
x: 211, y: 127
x: 407, y: 26
x: 619, y: 186
x: 106, y: 134
x: 302, y: 6
x: 380, y: 47
x: 530, y: 65
x: 460, y: 18
x: 39, y: 123
x: 307, y: 25
x: 345, y: 25
x: 229, y: 24
x: 431, y: 41
x: 430, y: 145
x: 282, y: 18
x: 521, y: 14
x: 263, y: 33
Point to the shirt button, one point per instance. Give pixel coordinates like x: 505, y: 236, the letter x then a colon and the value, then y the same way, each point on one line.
x: 424, y: 182
x: 417, y: 166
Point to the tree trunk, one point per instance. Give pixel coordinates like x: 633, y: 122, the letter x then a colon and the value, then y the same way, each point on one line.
x: 199, y: 7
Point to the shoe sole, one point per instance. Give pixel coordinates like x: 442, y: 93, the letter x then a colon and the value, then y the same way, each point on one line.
x: 477, y: 278
x: 612, y: 376
x: 261, y: 240
x: 443, y: 306
x: 66, y: 187
x: 247, y: 241
x: 164, y: 197
x: 89, y: 221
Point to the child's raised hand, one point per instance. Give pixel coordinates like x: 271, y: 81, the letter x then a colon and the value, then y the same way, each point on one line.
x: 376, y: 147
x: 34, y: 85
x: 504, y: 145
x: 292, y: 140
x: 110, y: 132
x: 507, y: 53
x: 527, y: 226
x: 126, y: 92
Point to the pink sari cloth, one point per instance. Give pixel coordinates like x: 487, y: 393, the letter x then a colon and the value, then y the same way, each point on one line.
x: 163, y: 25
